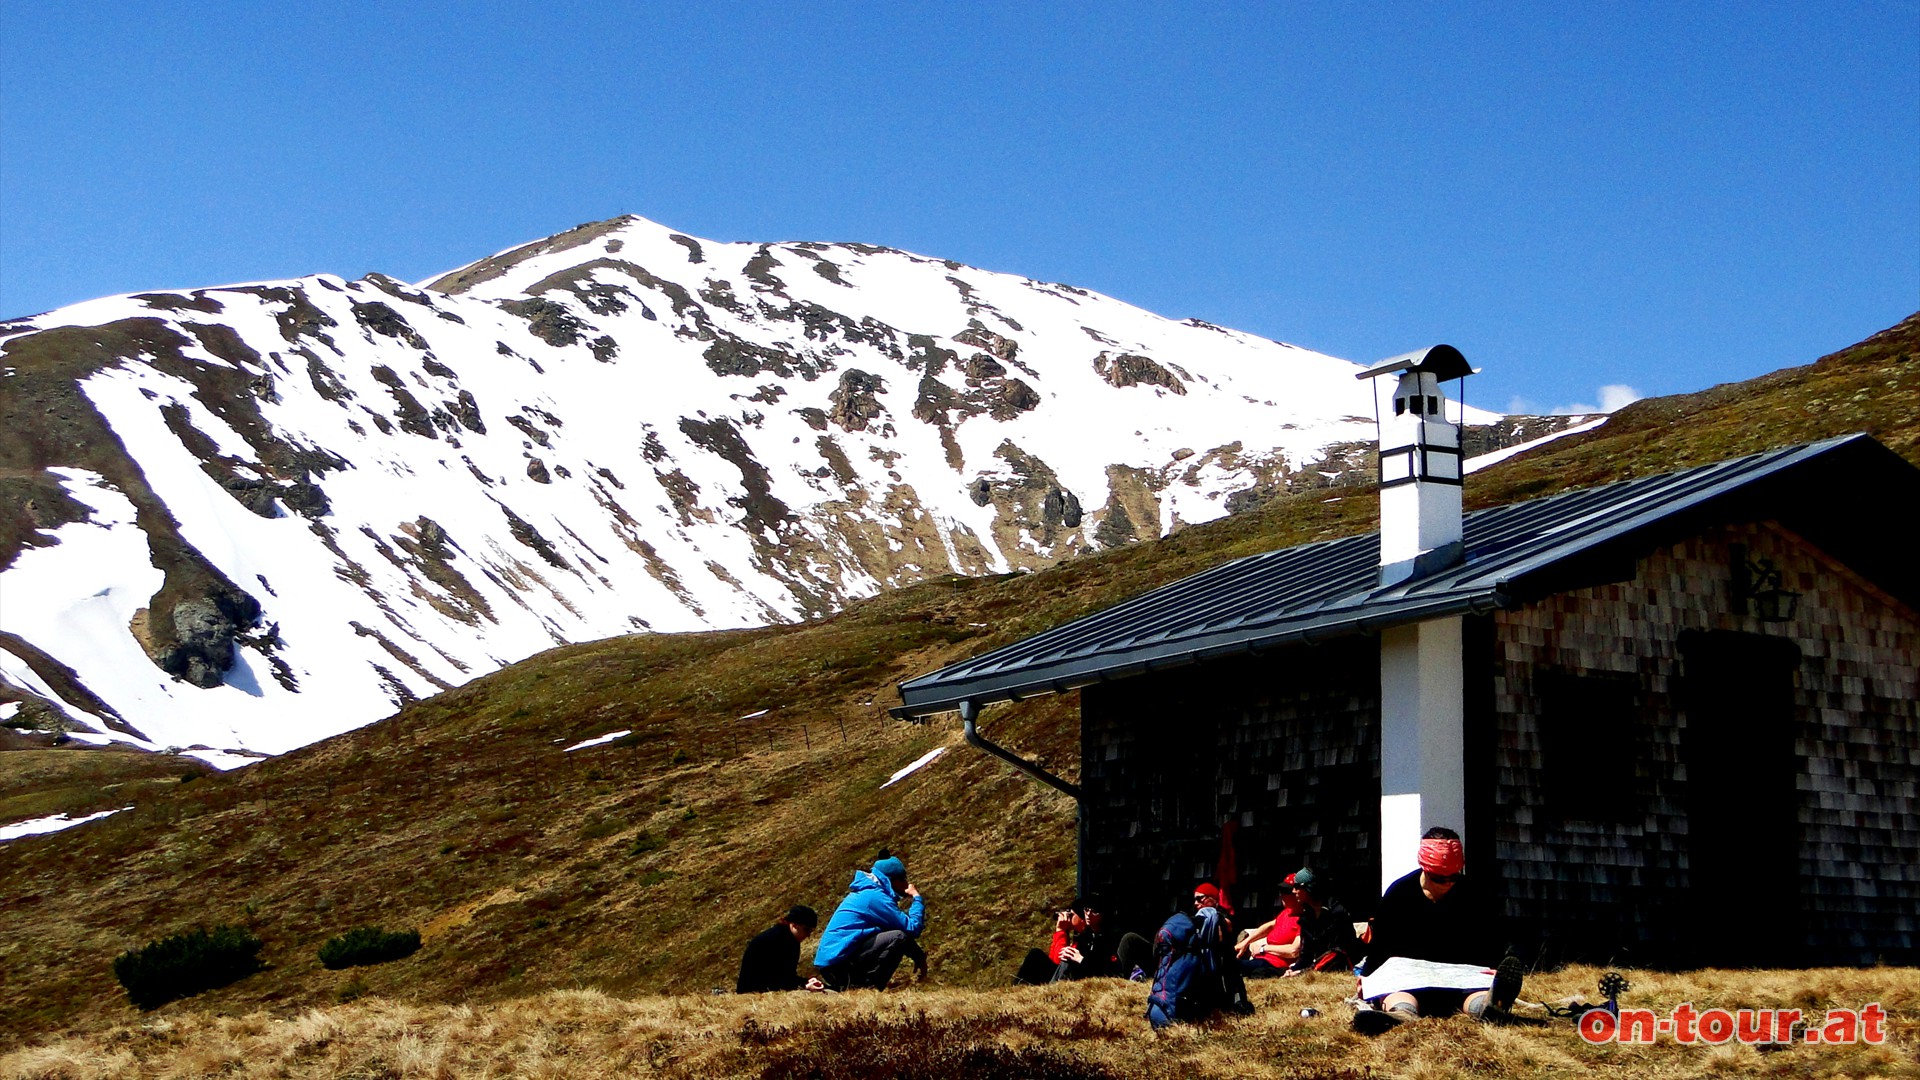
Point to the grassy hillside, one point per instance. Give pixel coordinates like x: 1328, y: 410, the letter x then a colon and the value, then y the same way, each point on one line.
x: 642, y: 865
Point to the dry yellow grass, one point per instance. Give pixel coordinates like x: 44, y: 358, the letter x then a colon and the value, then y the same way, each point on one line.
x: 1086, y: 1030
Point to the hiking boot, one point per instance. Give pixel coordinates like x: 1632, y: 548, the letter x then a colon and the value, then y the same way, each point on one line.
x: 1371, y: 1021
x: 1506, y: 983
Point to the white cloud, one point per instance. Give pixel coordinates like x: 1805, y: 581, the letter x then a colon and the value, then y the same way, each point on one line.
x: 1613, y: 398
x: 1617, y: 396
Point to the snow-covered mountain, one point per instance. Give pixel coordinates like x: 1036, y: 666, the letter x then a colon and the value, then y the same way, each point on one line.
x: 253, y: 516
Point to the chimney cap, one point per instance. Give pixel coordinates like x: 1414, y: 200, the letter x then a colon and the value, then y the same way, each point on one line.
x: 1442, y: 361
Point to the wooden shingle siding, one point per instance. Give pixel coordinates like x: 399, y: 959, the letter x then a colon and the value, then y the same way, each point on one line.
x: 1620, y: 887
x: 1283, y: 743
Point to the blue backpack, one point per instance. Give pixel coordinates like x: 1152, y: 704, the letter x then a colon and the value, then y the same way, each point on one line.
x: 1196, y: 974
x: 1216, y: 974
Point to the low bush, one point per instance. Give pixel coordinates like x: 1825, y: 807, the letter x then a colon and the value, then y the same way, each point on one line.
x: 368, y: 945
x: 185, y: 964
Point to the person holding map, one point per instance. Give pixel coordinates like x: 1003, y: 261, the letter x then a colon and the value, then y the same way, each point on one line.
x: 1438, y: 934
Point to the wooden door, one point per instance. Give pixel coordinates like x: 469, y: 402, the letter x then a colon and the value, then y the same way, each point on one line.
x: 1743, y: 833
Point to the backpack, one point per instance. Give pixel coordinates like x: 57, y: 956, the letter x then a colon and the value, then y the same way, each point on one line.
x: 1218, y: 975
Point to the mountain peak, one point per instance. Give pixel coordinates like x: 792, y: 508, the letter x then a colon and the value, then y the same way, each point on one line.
x: 252, y: 516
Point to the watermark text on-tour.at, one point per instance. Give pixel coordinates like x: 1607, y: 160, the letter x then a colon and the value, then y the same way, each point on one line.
x: 1688, y: 1025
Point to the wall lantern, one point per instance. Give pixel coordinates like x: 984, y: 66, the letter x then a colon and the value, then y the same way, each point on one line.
x: 1757, y: 582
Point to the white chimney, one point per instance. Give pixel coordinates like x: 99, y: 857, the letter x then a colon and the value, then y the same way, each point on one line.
x: 1422, y: 687
x: 1420, y: 465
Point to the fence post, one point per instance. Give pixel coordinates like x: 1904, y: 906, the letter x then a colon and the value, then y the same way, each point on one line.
x: 804, y: 735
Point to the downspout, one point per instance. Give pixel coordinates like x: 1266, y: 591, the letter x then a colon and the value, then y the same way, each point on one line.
x: 969, y: 711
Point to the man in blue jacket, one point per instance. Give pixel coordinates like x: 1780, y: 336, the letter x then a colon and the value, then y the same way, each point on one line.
x: 869, y: 934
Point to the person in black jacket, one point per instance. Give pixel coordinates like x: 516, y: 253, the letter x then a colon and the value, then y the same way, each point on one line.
x: 1326, y: 928
x: 773, y: 956
x: 1436, y: 914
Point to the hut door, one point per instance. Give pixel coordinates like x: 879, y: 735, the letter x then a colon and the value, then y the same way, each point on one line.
x: 1743, y: 835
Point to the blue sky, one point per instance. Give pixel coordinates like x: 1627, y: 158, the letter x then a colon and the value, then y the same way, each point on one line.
x: 1662, y: 196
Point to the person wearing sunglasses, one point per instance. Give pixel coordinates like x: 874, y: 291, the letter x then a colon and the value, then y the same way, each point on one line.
x: 1435, y: 914
x: 1271, y: 948
x: 1083, y: 947
x: 1308, y: 933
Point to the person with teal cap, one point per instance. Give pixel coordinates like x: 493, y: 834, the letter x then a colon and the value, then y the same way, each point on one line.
x: 869, y: 935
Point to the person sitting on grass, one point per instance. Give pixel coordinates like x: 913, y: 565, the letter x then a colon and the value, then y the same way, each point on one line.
x: 1435, y: 914
x: 869, y: 935
x: 1326, y: 928
x: 772, y: 958
x: 1194, y: 974
x: 1271, y: 948
x: 1082, y: 948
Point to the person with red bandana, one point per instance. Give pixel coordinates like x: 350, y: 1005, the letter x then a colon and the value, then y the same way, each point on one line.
x: 1435, y: 914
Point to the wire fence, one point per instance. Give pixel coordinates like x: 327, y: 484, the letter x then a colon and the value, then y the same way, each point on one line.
x: 763, y: 731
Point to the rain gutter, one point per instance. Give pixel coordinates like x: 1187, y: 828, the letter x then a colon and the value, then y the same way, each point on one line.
x: 969, y: 711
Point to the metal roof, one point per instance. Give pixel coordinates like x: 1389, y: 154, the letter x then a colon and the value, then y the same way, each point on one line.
x: 1514, y: 554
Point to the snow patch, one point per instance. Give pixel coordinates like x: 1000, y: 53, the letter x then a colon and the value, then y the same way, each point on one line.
x: 599, y: 740
x: 1484, y: 460
x: 224, y: 760
x: 919, y: 763
x: 37, y: 826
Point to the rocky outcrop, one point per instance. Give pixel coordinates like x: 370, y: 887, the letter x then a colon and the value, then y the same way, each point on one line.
x: 1131, y: 369
x: 194, y: 638
x: 856, y: 401
x: 488, y: 269
x: 548, y: 321
x: 1514, y: 430
x: 1132, y: 511
x: 380, y: 318
x: 1037, y: 520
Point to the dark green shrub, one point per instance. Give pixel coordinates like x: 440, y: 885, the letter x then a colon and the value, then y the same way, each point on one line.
x: 185, y: 964
x: 368, y: 945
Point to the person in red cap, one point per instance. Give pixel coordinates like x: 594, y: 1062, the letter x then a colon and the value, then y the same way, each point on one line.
x: 1310, y: 932
x: 1271, y: 948
x: 1434, y: 913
